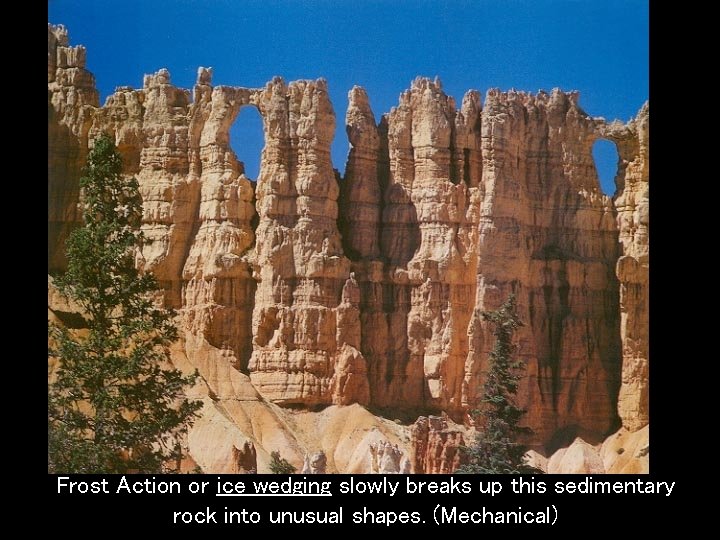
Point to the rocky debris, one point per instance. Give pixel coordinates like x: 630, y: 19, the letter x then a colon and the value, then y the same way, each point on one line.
x: 624, y: 452
x: 537, y: 460
x: 244, y: 459
x: 578, y: 458
x: 386, y: 458
x: 315, y: 464
x: 627, y: 452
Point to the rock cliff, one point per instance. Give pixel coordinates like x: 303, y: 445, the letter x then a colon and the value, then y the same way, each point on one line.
x: 302, y: 290
x: 632, y: 210
x: 72, y: 103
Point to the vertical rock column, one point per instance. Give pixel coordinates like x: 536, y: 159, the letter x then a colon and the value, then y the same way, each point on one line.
x: 300, y: 354
x: 443, y: 269
x: 418, y: 281
x: 366, y: 174
x: 72, y: 101
x: 632, y: 204
x: 170, y: 194
x: 121, y: 117
x: 218, y: 289
x: 548, y: 233
x: 361, y: 190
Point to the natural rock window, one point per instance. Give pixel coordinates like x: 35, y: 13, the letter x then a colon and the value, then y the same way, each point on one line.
x: 247, y: 141
x: 605, y: 155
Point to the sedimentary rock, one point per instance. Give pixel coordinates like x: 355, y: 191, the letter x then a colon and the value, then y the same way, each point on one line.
x: 556, y: 250
x: 477, y: 204
x: 305, y: 289
x: 72, y: 102
x: 627, y: 452
x: 436, y: 446
x: 624, y: 452
x: 412, y: 222
x: 632, y: 205
x: 217, y: 286
x: 300, y: 352
x: 579, y: 458
x: 244, y: 459
x: 386, y: 458
x: 315, y: 464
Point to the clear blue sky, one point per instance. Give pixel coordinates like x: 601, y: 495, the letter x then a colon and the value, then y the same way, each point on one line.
x: 599, y: 47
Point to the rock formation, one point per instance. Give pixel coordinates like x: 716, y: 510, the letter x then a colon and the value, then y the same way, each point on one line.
x: 301, y: 289
x: 625, y: 452
x: 315, y: 464
x: 632, y: 207
x: 476, y: 204
x: 306, y: 328
x: 411, y: 206
x: 386, y: 458
x: 244, y: 459
x: 436, y: 447
x: 72, y: 103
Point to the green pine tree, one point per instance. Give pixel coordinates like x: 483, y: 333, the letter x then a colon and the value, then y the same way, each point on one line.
x: 497, y: 449
x: 279, y: 465
x: 115, y: 404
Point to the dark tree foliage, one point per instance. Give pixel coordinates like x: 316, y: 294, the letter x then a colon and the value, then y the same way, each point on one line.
x: 496, y: 449
x: 279, y: 465
x: 115, y: 404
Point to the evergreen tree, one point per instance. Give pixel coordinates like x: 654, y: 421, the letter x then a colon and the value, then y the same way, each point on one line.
x: 280, y: 465
x: 496, y: 449
x: 115, y: 403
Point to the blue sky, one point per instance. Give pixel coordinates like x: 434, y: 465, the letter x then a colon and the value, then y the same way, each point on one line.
x: 599, y: 47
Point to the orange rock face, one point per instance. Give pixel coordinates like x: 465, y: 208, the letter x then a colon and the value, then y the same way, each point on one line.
x: 436, y: 446
x: 305, y: 289
x: 633, y: 266
x: 72, y: 102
